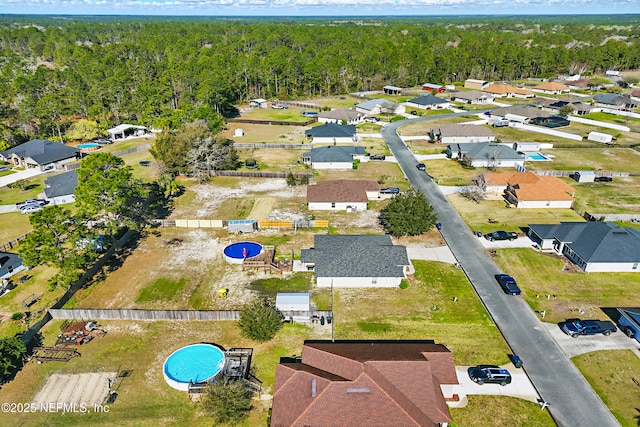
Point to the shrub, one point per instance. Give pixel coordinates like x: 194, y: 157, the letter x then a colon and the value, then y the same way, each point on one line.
x: 404, y: 284
x: 260, y: 320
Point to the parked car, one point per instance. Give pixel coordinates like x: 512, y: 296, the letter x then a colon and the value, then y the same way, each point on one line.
x: 577, y: 327
x: 372, y: 120
x: 102, y: 141
x: 377, y: 157
x: 498, y: 123
x: 3, y: 168
x: 603, y: 179
x: 501, y: 235
x: 27, y: 209
x: 421, y: 167
x: 390, y: 190
x: 37, y: 202
x: 489, y: 374
x: 414, y: 113
x: 508, y: 284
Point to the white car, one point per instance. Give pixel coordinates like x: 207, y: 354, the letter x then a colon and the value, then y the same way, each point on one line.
x: 27, y: 209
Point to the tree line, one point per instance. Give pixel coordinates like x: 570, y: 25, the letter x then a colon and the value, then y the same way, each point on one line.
x: 166, y: 72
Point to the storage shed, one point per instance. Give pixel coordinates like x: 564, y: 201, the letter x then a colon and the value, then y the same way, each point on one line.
x: 296, y: 302
x: 584, y: 176
x: 238, y: 132
x: 605, y: 138
x: 242, y: 225
x: 530, y: 147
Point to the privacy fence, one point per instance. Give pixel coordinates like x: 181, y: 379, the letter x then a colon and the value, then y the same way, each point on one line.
x: 217, y: 223
x: 261, y: 174
x: 278, y: 146
x: 188, y: 315
x: 273, y: 122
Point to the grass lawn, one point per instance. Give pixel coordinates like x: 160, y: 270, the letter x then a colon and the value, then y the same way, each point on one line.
x: 10, y: 196
x: 272, y: 134
x: 476, y: 215
x: 597, y: 159
x: 144, y: 398
x: 500, y: 411
x: 425, y: 310
x: 451, y: 172
x: 423, y: 127
x: 12, y: 225
x: 622, y: 195
x: 542, y: 274
x: 291, y: 114
x: 612, y: 374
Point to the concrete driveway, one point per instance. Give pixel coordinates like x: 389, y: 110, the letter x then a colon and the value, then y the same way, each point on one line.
x: 9, y: 179
x: 520, y: 242
x: 439, y: 253
x: 575, y: 346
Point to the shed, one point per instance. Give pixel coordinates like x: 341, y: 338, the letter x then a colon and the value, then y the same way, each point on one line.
x: 584, y: 176
x: 297, y: 302
x: 238, y: 132
x: 392, y: 90
x: 242, y: 225
x: 531, y: 147
x: 605, y: 138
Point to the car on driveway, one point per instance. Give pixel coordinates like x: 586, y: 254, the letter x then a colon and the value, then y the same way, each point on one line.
x: 501, y: 235
x: 377, y: 157
x: 602, y: 179
x: 489, y: 374
x: 421, y: 167
x: 36, y: 202
x: 102, y: 141
x: 27, y: 209
x: 390, y: 190
x: 508, y: 284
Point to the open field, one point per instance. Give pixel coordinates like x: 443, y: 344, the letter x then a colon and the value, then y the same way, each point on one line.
x: 620, y: 196
x: 423, y: 127
x: 12, y: 225
x: 451, y: 172
x: 571, y: 289
x: 598, y: 158
x: 273, y: 134
x: 609, y: 372
x: 291, y: 114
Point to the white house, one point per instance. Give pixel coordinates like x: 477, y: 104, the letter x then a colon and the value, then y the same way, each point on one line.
x: 338, y: 157
x: 10, y: 264
x: 355, y: 261
x: 486, y: 154
x: 59, y: 189
x: 295, y: 302
x: 341, y: 195
x: 593, y: 246
x: 428, y: 102
x: 332, y: 133
x: 341, y: 115
x: 472, y: 97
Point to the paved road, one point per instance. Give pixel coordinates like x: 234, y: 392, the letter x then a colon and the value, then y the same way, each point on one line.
x: 572, y: 401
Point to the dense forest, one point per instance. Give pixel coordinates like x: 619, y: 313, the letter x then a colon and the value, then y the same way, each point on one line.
x: 164, y: 72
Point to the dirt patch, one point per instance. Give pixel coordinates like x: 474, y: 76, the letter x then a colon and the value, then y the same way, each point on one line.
x: 261, y: 208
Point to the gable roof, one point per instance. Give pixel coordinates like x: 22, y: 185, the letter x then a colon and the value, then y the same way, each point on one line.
x: 432, y: 86
x: 373, y: 103
x: 333, y: 154
x: 42, y: 151
x: 542, y: 188
x: 503, y: 89
x: 364, y: 383
x: 552, y: 86
x: 331, y: 130
x: 9, y: 258
x: 341, y: 191
x: 471, y: 95
x: 356, y: 256
x: 614, y: 99
x: 485, y: 150
x: 463, y: 130
x: 428, y: 100
x: 596, y: 241
x: 62, y: 184
x: 341, y: 114
x: 521, y: 110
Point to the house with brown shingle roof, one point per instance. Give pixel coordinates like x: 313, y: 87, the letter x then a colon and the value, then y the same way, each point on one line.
x: 342, y: 195
x: 372, y: 383
x: 552, y: 88
x: 500, y: 90
x: 528, y: 190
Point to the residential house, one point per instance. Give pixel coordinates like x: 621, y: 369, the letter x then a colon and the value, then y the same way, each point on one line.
x: 376, y: 106
x: 392, y: 90
x: 526, y: 190
x: 333, y: 156
x: 365, y: 383
x: 39, y: 153
x: 341, y: 116
x: 356, y: 261
x: 593, y: 246
x: 500, y: 90
x: 59, y: 189
x: 550, y: 122
x: 428, y: 102
x: 341, y: 195
x: 579, y: 84
x: 554, y: 105
x: 472, y: 97
x: 476, y: 84
x: 520, y: 113
x: 330, y: 133
x: 551, y: 88
x: 125, y: 130
x: 10, y: 264
x: 614, y: 100
x: 431, y: 87
x: 461, y: 133
x: 635, y: 94
x: 486, y: 154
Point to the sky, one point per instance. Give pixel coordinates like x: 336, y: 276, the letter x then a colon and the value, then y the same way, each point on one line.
x: 318, y: 7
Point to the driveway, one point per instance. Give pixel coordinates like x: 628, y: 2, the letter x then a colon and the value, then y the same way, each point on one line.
x: 439, y: 253
x: 572, y: 400
x: 575, y: 346
x: 520, y: 242
x: 9, y: 179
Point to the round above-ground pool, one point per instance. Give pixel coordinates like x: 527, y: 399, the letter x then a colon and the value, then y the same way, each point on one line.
x: 194, y: 363
x: 236, y: 253
x: 89, y: 146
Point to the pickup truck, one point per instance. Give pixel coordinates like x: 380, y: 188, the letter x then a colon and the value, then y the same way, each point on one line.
x: 577, y: 327
x: 501, y: 235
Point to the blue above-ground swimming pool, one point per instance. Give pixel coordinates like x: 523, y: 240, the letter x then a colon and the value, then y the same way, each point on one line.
x: 195, y: 363
x: 89, y: 146
x: 236, y: 253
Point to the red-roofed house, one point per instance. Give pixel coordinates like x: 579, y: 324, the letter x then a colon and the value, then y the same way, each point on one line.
x: 342, y: 195
x: 500, y: 90
x: 528, y: 190
x: 356, y: 383
x: 552, y: 88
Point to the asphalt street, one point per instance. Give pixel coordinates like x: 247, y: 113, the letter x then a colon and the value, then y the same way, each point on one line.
x: 572, y: 401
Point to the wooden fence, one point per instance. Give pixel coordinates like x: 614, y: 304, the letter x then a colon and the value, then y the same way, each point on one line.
x: 261, y: 174
x: 293, y: 224
x: 217, y: 223
x: 6, y: 247
x: 273, y: 122
x: 278, y: 146
x: 299, y: 104
x: 187, y: 315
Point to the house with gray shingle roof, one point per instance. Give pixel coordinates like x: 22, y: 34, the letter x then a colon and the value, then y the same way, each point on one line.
x: 10, y: 264
x: 376, y: 106
x: 472, y: 97
x: 59, y: 188
x: 461, y: 133
x: 342, y: 195
x: 330, y: 133
x: 428, y: 102
x: 354, y: 261
x: 486, y: 154
x: 333, y: 156
x: 341, y: 115
x: 615, y: 100
x: 39, y: 153
x: 592, y: 246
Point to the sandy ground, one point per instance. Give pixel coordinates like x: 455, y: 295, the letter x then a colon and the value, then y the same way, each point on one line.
x: 88, y: 389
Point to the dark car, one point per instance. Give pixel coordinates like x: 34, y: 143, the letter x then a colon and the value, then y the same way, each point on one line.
x: 377, y: 157
x: 390, y: 190
x: 501, y: 235
x: 414, y: 113
x: 508, y: 284
x: 603, y: 179
x: 489, y: 374
x: 421, y: 167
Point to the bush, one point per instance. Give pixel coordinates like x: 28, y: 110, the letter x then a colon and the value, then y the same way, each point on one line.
x: 17, y: 316
x: 408, y: 214
x: 260, y: 320
x: 228, y: 401
x: 404, y: 284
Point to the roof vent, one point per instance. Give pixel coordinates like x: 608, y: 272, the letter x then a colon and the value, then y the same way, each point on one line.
x: 619, y: 232
x: 313, y: 387
x: 358, y: 390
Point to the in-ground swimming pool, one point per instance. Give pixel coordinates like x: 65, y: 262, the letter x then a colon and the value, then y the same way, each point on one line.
x: 539, y: 157
x: 194, y: 363
x: 236, y: 253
